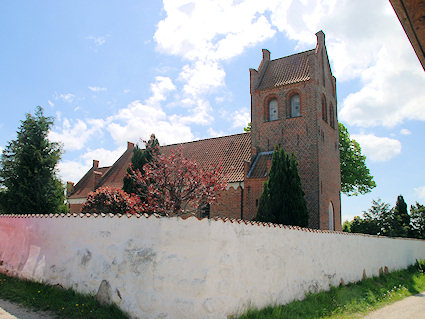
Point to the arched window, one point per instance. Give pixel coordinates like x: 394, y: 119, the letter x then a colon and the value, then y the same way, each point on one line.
x: 324, y: 109
x: 273, y: 110
x: 331, y: 216
x: 331, y: 116
x: 295, y: 105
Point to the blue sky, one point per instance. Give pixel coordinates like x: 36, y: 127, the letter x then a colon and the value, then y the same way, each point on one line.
x: 117, y: 71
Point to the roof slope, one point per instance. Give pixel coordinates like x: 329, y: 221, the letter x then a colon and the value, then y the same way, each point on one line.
x: 230, y: 151
x: 259, y: 168
x: 87, y: 183
x: 291, y: 69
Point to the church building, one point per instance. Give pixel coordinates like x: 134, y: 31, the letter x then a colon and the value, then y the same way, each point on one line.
x: 294, y: 106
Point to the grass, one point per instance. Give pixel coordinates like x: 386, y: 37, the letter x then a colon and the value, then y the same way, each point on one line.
x: 352, y: 300
x: 65, y: 303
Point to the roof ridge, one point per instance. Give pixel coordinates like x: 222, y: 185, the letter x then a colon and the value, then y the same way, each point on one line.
x: 291, y: 55
x: 206, y: 139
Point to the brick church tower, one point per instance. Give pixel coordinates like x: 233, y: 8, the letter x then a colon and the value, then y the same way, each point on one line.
x: 294, y: 105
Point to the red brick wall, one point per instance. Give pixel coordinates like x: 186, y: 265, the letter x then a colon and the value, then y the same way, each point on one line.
x: 309, y: 137
x: 228, y: 204
x: 253, y: 188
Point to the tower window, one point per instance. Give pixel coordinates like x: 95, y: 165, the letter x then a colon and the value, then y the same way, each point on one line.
x: 273, y: 110
x: 295, y: 106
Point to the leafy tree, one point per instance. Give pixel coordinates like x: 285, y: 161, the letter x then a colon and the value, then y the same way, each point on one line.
x: 28, y: 170
x: 110, y: 200
x: 346, y: 226
x: 417, y: 218
x: 176, y: 185
x: 140, y: 157
x: 248, y: 128
x: 282, y: 200
x: 355, y: 176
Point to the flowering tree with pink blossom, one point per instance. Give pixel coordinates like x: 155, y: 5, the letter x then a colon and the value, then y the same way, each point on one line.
x: 176, y: 185
x: 111, y: 200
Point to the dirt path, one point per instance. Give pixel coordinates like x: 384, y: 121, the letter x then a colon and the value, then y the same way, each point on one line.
x: 9, y: 310
x: 411, y: 307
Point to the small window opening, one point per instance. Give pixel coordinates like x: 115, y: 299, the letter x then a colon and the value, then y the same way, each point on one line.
x: 295, y: 105
x: 273, y: 110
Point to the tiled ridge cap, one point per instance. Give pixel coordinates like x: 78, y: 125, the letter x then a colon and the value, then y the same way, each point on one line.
x: 205, y: 139
x: 291, y: 55
x: 216, y: 219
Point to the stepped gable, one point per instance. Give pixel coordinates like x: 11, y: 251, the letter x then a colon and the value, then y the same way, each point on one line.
x: 287, y: 70
x: 230, y: 151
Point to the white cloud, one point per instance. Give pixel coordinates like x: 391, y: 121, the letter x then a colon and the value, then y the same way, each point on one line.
x: 214, y: 133
x: 71, y: 171
x: 405, y: 131
x: 241, y: 118
x: 98, y: 41
x: 160, y: 88
x: 201, y: 77
x: 66, y: 97
x: 364, y: 39
x: 51, y: 104
x: 104, y: 156
x: 420, y: 192
x: 74, y: 134
x: 97, y: 89
x: 378, y: 149
x: 75, y: 170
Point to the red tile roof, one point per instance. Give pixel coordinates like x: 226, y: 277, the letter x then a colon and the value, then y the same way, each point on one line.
x: 259, y: 168
x: 291, y: 69
x: 231, y: 151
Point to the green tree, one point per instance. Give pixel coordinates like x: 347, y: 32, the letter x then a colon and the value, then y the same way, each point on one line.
x: 400, y: 219
x: 417, y: 219
x: 282, y: 200
x: 28, y: 170
x: 355, y: 176
x: 139, y: 158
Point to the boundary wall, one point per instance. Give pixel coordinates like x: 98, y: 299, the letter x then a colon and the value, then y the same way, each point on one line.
x: 191, y: 268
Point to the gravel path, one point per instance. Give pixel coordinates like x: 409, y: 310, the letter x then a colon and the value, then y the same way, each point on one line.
x: 9, y: 310
x: 411, y: 307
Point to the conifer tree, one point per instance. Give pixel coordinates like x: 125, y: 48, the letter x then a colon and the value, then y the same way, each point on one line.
x: 28, y: 170
x: 282, y: 200
x: 400, y: 221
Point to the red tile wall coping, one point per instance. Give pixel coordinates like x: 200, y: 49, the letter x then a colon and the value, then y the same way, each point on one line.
x: 215, y: 219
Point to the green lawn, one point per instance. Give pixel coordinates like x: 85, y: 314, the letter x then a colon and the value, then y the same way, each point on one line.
x: 352, y: 300
x: 66, y: 303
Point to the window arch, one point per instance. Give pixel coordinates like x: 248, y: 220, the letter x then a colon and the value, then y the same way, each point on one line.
x: 331, y: 116
x: 324, y: 109
x: 295, y: 105
x: 331, y: 216
x: 272, y: 109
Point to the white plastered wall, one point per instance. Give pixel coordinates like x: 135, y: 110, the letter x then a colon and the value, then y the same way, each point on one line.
x: 175, y: 268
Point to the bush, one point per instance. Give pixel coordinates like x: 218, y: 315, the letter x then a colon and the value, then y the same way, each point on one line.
x: 110, y: 200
